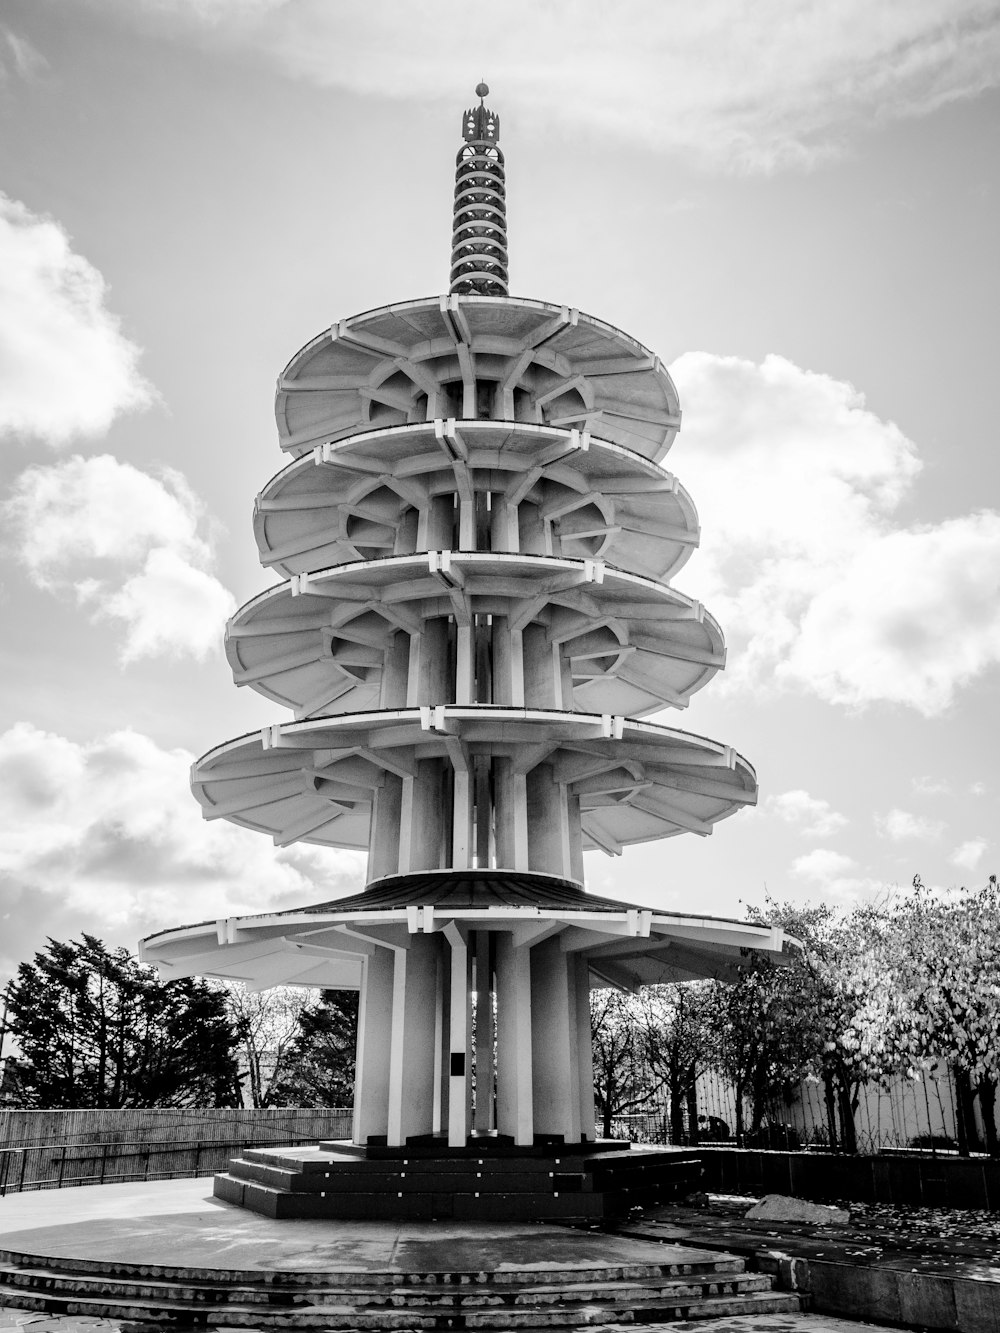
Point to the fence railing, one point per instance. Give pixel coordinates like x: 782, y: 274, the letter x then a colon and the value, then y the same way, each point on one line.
x: 55, y: 1166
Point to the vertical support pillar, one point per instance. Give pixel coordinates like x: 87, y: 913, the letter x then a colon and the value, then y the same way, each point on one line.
x: 458, y: 1044
x: 465, y: 665
x: 485, y: 1074
x: 467, y: 525
x: 585, y: 1049
x: 548, y: 833
x: 383, y: 841
x: 511, y: 815
x: 439, y: 1100
x: 375, y: 1015
x: 555, y: 1065
x: 395, y: 672
x: 411, y: 1052
x: 539, y: 669
x: 514, y: 1083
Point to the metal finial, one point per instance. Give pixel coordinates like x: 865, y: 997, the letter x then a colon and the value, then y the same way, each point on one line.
x: 479, y: 237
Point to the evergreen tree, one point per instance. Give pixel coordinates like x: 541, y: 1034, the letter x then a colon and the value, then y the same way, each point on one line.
x: 95, y: 1028
x: 319, y: 1066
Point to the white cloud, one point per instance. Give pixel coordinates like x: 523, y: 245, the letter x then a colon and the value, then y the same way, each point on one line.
x: 66, y: 368
x: 128, y: 545
x: 977, y: 789
x: 20, y: 57
x: 836, y: 875
x: 817, y: 817
x: 969, y: 854
x: 915, y: 616
x: 815, y: 585
x: 742, y: 87
x: 928, y: 786
x: 823, y: 864
x: 107, y: 837
x: 900, y: 825
x: 171, y: 608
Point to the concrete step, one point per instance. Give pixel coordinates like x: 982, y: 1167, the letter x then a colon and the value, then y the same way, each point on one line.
x: 718, y: 1267
x: 757, y: 1303
x: 423, y: 1206
x: 362, y: 1295
x: 522, y: 1299
x: 352, y: 1179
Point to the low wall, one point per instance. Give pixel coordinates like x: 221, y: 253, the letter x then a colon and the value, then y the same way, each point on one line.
x: 177, y: 1125
x: 53, y: 1149
x: 931, y: 1181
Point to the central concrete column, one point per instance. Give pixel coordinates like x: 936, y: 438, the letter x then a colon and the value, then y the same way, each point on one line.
x: 371, y: 1079
x: 411, y: 1054
x: 513, y: 985
x: 484, y: 1034
x: 555, y: 1068
x: 458, y: 1042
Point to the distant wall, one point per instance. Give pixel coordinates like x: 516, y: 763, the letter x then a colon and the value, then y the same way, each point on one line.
x: 941, y: 1181
x: 178, y: 1125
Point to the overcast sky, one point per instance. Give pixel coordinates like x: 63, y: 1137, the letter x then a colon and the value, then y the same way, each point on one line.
x: 793, y: 203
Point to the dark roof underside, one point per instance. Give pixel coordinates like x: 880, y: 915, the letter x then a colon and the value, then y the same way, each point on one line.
x: 474, y: 889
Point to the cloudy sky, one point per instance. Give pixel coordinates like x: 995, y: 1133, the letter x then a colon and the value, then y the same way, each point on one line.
x: 794, y: 203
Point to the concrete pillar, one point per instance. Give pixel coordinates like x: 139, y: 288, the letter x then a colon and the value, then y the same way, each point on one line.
x: 574, y: 835
x: 383, y: 841
x: 435, y: 683
x: 458, y: 1043
x: 395, y: 672
x: 514, y: 1074
x: 503, y: 679
x: 503, y: 525
x: 584, y: 1048
x: 461, y: 839
x: 531, y: 528
x: 439, y: 1044
x: 484, y: 1122
x: 411, y: 1049
x: 371, y: 1079
x: 555, y: 1070
x: 465, y: 665
x: 406, y: 534
x: 510, y: 790
x: 542, y: 686
x: 439, y: 529
x: 548, y: 849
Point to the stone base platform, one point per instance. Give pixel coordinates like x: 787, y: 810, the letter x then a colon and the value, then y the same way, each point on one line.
x: 170, y: 1253
x: 488, y: 1180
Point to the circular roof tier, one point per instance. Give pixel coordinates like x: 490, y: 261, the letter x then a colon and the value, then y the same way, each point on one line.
x: 315, y: 781
x: 474, y: 356
x: 584, y: 496
x: 320, y: 643
x: 325, y: 945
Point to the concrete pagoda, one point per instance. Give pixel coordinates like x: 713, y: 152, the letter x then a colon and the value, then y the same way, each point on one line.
x: 476, y: 537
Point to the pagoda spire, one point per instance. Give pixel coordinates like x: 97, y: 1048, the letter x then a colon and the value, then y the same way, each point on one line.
x: 479, y: 236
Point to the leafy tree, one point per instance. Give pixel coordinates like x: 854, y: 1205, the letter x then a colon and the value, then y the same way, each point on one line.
x: 318, y: 1069
x: 829, y: 984
x: 623, y: 1081
x: 267, y: 1024
x: 96, y: 1028
x: 941, y: 956
x: 676, y: 1043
